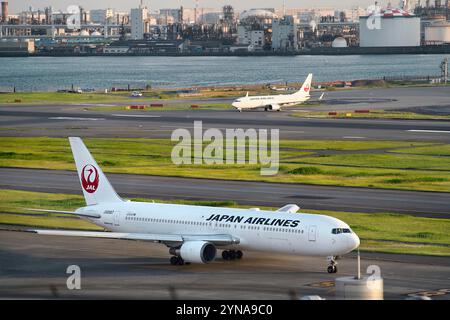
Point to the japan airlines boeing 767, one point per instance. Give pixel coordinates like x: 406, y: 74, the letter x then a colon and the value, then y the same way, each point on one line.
x: 194, y: 233
x: 275, y: 102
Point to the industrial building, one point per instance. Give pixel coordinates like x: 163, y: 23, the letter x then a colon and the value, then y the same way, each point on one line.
x: 389, y: 28
x: 4, y: 16
x: 101, y: 16
x: 255, y: 28
x: 285, y: 34
x: 258, y: 31
x: 139, y: 47
x: 16, y: 48
x: 139, y: 24
x: 248, y: 36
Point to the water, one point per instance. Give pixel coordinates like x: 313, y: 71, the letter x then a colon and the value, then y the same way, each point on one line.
x: 53, y: 73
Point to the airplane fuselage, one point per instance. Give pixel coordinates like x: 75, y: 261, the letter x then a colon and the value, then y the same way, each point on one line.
x: 269, y: 101
x: 300, y: 234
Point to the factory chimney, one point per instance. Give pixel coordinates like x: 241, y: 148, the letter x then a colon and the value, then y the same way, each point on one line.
x: 4, y: 12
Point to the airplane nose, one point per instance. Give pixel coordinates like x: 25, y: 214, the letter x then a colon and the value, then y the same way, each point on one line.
x: 354, y: 241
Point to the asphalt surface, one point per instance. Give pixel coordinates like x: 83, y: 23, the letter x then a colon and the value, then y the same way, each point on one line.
x: 77, y: 120
x: 424, y: 204
x: 34, y: 267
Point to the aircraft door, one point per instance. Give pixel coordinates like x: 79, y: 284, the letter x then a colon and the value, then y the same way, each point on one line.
x: 116, y: 218
x: 312, y: 233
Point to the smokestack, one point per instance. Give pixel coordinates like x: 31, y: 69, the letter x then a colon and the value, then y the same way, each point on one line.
x: 4, y: 11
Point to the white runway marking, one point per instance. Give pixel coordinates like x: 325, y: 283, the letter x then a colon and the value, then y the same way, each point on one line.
x: 354, y: 137
x: 429, y: 131
x: 135, y: 116
x: 75, y: 118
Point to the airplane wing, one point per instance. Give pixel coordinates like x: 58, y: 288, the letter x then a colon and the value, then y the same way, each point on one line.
x: 217, y: 239
x: 289, y: 208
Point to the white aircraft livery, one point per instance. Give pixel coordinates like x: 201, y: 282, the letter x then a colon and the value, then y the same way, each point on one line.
x: 194, y: 234
x: 275, y: 102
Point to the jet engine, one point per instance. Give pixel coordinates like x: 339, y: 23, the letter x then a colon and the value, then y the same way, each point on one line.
x: 274, y: 107
x: 196, y: 251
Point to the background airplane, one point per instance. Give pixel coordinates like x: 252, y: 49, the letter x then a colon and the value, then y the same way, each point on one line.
x: 194, y: 233
x: 275, y: 102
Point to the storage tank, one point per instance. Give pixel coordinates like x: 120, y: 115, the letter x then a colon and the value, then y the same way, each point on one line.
x: 389, y: 28
x: 437, y: 33
x: 339, y: 42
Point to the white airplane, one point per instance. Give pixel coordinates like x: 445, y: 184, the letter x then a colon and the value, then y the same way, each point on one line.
x: 194, y: 233
x: 275, y: 102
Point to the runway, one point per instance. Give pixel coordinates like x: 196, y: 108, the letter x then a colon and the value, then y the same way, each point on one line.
x: 34, y: 267
x: 424, y: 204
x: 77, y: 120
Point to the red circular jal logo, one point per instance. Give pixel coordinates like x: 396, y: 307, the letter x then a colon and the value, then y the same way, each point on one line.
x: 89, y: 178
x: 306, y: 89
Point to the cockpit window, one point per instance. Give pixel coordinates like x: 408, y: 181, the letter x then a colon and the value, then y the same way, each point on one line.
x: 340, y: 230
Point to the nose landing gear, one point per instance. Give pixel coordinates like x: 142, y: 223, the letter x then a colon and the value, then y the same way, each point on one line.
x: 332, y: 267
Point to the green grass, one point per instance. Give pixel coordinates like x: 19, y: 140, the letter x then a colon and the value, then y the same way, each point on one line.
x: 374, y: 114
x: 338, y: 162
x: 167, y: 107
x: 379, y: 232
x: 440, y: 150
x: 346, y: 145
x: 55, y: 97
x: 388, y: 161
x: 19, y: 98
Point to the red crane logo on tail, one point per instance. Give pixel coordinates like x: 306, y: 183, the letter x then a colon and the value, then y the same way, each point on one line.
x: 306, y: 89
x: 89, y: 178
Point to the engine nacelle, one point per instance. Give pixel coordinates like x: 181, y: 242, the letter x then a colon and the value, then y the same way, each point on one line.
x: 197, y: 251
x: 274, y: 107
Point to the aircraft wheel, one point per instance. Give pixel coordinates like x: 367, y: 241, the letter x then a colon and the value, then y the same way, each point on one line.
x: 226, y: 255
x: 232, y: 254
x: 239, y: 254
x: 330, y: 269
x: 174, y: 261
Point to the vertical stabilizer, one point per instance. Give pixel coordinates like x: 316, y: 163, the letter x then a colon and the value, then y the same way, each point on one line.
x: 306, y: 87
x: 96, y: 187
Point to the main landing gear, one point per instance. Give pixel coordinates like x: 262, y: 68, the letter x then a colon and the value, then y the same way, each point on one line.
x: 232, y: 254
x: 332, y: 267
x: 178, y: 261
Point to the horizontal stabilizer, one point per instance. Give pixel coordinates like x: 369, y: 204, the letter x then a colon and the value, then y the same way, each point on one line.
x: 87, y: 215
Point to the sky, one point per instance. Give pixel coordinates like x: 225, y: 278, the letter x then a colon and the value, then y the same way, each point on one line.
x: 20, y: 5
